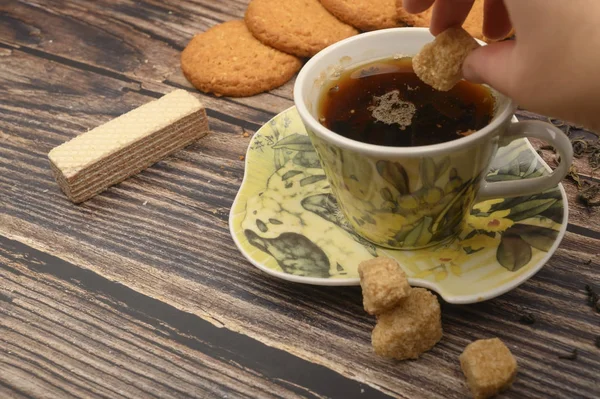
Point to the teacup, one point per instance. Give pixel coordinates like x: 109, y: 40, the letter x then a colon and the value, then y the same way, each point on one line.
x: 413, y: 197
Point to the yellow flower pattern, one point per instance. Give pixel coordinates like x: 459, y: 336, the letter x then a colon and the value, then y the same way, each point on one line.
x: 485, y: 206
x: 494, y: 222
x: 479, y: 242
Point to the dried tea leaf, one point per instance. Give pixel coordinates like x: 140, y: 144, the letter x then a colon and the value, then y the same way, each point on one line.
x: 595, y: 159
x: 590, y: 195
x: 527, y: 319
x: 556, y: 122
x: 574, y: 175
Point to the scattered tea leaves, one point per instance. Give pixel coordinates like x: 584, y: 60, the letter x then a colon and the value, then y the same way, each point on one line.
x: 573, y: 175
x: 527, y: 319
x: 595, y: 159
x: 571, y: 356
x: 556, y: 122
x: 568, y: 130
x: 589, y: 195
x: 593, y: 298
x: 580, y: 147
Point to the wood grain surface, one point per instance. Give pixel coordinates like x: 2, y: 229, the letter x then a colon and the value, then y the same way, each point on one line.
x: 140, y: 292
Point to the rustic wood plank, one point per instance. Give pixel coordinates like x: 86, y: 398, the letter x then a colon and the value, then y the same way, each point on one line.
x: 331, y: 329
x: 67, y: 332
x: 139, y: 40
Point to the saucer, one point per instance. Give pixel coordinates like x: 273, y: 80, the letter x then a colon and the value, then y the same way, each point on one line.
x: 285, y: 221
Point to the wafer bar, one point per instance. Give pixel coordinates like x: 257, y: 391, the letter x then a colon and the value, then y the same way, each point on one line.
x: 109, y: 154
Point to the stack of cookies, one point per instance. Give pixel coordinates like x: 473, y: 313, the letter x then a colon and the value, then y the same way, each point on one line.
x: 265, y: 50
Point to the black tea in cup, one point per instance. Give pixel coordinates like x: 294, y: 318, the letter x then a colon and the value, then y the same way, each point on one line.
x: 385, y: 103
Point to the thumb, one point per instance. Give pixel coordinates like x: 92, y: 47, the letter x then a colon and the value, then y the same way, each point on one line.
x: 493, y: 65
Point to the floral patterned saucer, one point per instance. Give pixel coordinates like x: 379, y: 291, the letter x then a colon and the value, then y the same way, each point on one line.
x: 286, y: 222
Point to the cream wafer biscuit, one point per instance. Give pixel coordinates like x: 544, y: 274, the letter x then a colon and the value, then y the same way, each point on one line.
x: 109, y: 154
x: 135, y: 153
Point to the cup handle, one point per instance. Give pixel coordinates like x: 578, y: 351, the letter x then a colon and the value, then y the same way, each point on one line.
x: 539, y: 130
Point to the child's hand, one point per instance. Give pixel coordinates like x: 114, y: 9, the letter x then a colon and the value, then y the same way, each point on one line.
x: 553, y: 67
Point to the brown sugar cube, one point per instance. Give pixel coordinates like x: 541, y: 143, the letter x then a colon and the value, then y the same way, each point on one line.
x: 489, y: 367
x: 383, y: 283
x: 439, y: 63
x: 414, y: 327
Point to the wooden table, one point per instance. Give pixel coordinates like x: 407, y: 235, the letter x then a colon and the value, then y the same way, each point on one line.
x: 141, y: 293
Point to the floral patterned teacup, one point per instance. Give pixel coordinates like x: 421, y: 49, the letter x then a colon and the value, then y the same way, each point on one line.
x: 412, y: 197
